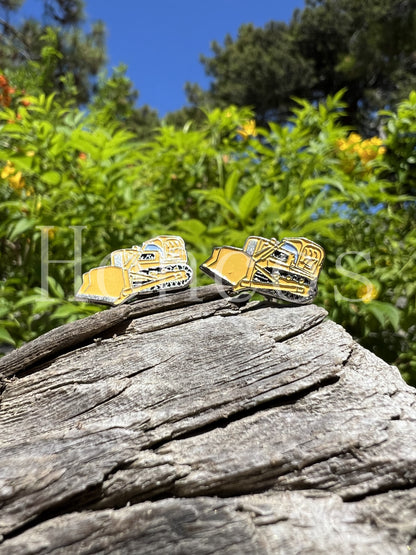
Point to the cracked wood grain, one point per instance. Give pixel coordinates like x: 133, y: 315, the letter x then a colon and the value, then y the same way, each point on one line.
x: 281, y: 522
x: 257, y: 404
x: 73, y: 334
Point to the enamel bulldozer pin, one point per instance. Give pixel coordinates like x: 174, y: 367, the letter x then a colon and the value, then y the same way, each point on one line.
x: 158, y: 264
x: 287, y: 269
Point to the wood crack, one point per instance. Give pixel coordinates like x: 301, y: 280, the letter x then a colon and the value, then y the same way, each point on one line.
x: 258, y: 408
x: 101, y: 403
x: 379, y: 491
x: 257, y: 428
x: 82, y: 332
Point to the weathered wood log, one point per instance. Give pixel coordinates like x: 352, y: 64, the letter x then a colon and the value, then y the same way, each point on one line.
x: 74, y: 334
x: 191, y: 424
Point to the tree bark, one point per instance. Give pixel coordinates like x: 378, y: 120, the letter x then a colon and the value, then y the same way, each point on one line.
x: 188, y: 423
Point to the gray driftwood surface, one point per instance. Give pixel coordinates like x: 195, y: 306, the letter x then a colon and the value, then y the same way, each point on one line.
x: 188, y: 424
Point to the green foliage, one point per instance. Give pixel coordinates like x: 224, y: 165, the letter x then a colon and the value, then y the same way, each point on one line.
x: 115, y: 100
x: 366, y: 47
x: 244, y: 69
x: 401, y: 144
x: 47, y: 53
x: 45, y: 58
x: 60, y: 168
x: 214, y: 184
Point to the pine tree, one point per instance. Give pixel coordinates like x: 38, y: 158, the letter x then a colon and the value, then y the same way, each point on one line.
x: 368, y: 48
x: 60, y: 30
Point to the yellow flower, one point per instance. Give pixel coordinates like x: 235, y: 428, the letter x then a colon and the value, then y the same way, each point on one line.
x: 366, y: 150
x: 30, y: 153
x: 248, y: 129
x: 8, y: 169
x: 14, y: 178
x: 370, y: 149
x: 367, y: 293
x: 16, y: 181
x: 354, y: 138
x: 342, y: 144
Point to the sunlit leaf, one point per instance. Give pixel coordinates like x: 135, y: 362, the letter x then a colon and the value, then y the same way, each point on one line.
x: 5, y: 336
x: 249, y: 202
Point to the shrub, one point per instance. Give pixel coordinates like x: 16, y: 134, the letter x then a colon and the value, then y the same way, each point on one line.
x: 214, y: 184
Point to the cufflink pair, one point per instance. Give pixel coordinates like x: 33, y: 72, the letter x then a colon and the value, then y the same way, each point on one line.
x: 286, y: 270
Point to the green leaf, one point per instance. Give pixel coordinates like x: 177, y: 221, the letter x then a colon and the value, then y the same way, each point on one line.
x: 217, y: 196
x: 317, y: 183
x: 23, y: 162
x: 249, y: 202
x: 40, y: 303
x: 5, y: 337
x: 192, y: 226
x: 20, y: 227
x: 4, y: 310
x: 231, y: 185
x: 191, y: 231
x: 385, y: 312
x: 56, y: 288
x: 65, y: 311
x: 51, y: 178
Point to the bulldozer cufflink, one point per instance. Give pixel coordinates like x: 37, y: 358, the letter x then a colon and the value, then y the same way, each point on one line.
x: 287, y: 269
x: 157, y: 265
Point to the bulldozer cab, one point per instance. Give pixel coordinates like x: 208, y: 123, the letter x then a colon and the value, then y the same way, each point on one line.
x: 310, y: 255
x: 151, y: 252
x: 123, y: 258
x: 286, y: 253
x: 260, y: 248
x: 165, y: 248
x: 255, y: 245
x: 296, y: 254
x: 161, y: 250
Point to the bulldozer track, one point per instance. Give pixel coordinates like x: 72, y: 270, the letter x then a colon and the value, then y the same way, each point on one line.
x: 294, y: 298
x: 174, y: 284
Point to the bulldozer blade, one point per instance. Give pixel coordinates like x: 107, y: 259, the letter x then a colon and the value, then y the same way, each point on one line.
x: 228, y: 264
x: 105, y: 284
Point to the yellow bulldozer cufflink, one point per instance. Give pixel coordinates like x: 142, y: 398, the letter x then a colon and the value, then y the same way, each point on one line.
x: 158, y: 264
x: 286, y: 269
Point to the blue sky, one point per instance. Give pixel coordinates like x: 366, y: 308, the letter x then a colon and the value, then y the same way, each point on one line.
x: 160, y: 40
